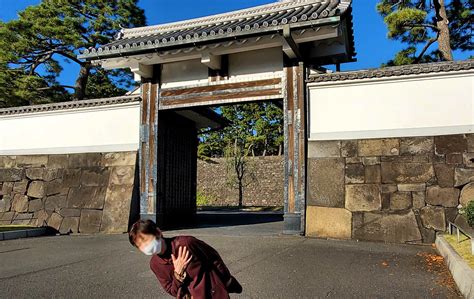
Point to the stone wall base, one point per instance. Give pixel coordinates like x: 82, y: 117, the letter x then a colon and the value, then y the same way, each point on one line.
x: 75, y: 193
x: 400, y: 190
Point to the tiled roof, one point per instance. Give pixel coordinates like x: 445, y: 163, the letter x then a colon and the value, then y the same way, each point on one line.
x: 258, y: 20
x: 413, y: 69
x: 70, y: 105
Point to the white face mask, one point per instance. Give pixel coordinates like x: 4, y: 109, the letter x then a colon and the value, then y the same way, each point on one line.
x: 153, y: 247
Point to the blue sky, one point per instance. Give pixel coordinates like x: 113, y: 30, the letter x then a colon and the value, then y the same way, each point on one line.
x: 372, y: 46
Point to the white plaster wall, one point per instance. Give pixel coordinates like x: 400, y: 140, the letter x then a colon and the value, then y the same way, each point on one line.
x: 184, y: 73
x: 434, y: 104
x: 251, y: 65
x: 98, y: 129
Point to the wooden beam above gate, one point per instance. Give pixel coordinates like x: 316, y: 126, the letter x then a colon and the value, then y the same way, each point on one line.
x: 220, y: 94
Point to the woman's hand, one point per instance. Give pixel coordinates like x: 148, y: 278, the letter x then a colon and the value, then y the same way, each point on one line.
x: 181, y: 261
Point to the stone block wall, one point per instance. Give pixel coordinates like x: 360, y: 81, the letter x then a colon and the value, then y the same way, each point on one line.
x: 399, y: 190
x: 78, y: 193
x: 266, y: 190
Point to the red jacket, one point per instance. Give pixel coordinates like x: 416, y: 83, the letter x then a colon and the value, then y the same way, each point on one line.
x: 207, y: 275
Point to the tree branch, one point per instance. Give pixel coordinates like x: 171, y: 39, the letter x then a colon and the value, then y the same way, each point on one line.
x: 70, y: 57
x: 422, y: 25
x: 428, y: 44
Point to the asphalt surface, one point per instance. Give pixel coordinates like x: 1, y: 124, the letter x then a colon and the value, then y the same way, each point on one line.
x: 267, y: 264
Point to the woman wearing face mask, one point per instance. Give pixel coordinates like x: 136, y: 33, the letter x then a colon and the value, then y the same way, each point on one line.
x: 185, y: 266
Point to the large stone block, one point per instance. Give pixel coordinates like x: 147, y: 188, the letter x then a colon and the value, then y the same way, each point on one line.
x: 400, y: 201
x: 51, y: 174
x: 35, y: 173
x: 7, y: 188
x: 467, y: 194
x: 41, y: 217
x: 446, y: 197
x: 20, y: 186
x: 433, y: 217
x: 326, y: 182
x: 349, y: 148
x: 418, y: 199
x: 411, y: 187
x: 450, y: 144
x: 84, y: 160
x: 20, y: 203
x: 35, y: 205
x: 363, y: 197
x: 69, y: 225
x: 7, y: 161
x: 324, y: 149
x: 32, y: 161
x: 5, y: 203
x: 463, y: 176
x: 66, y: 212
x: 122, y: 175
x: 95, y: 176
x: 55, y: 202
x: 22, y: 219
x: 7, y: 217
x: 355, y: 174
x: 11, y: 174
x: 58, y: 161
x: 119, y: 159
x: 36, y: 189
x: 116, y: 209
x: 392, y: 228
x: 325, y: 222
x: 86, y: 197
x: 373, y: 174
x: 55, y: 221
x: 444, y: 174
x: 71, y: 177
x: 416, y: 145
x: 378, y: 147
x: 56, y: 187
x: 393, y: 172
x: 90, y: 221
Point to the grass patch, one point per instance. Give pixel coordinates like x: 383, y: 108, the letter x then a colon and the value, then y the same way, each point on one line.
x: 7, y: 228
x: 463, y: 248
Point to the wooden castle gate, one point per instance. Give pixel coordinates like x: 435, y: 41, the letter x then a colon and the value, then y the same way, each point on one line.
x: 258, y: 54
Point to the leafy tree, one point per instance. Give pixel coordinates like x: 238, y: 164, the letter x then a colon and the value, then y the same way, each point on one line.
x: 33, y: 46
x: 257, y: 124
x: 424, y: 22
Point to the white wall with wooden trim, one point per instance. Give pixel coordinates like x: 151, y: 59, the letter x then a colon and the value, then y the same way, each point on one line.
x: 415, y: 105
x: 112, y: 128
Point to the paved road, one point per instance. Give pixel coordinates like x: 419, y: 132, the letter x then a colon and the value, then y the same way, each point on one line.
x: 267, y: 264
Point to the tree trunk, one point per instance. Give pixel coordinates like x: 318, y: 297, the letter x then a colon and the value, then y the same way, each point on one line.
x: 81, y: 83
x: 442, y: 22
x: 241, y: 194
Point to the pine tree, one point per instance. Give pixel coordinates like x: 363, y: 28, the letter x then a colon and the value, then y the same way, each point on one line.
x: 33, y: 46
x: 422, y: 23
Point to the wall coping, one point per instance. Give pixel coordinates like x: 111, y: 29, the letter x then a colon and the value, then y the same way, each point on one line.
x: 70, y: 105
x: 395, y: 71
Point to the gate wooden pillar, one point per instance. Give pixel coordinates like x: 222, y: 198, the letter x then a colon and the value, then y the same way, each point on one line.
x: 148, y: 146
x: 294, y: 107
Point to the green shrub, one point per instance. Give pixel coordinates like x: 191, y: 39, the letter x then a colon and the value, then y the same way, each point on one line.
x: 469, y: 211
x: 202, y: 199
